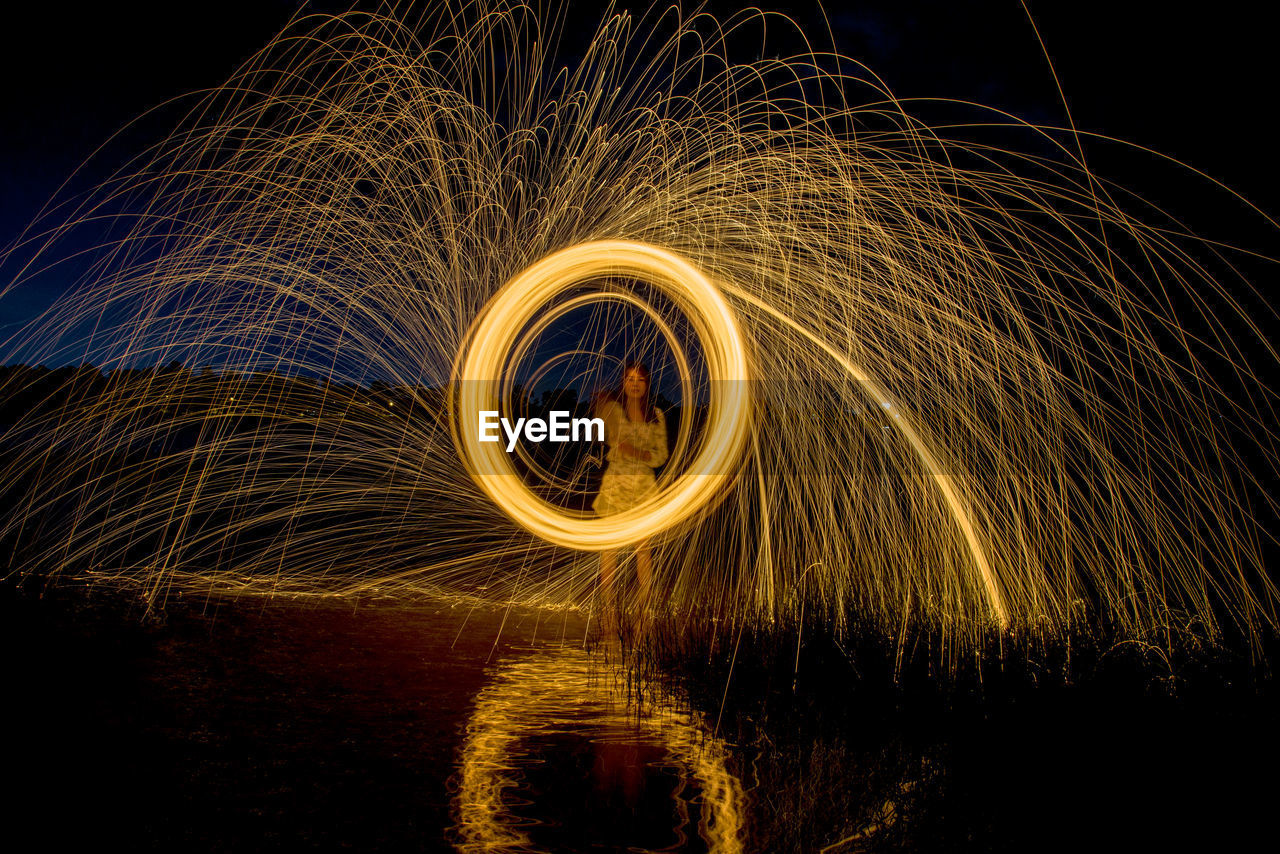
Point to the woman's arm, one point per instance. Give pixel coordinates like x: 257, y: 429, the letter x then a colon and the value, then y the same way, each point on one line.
x: 657, y: 446
x: 611, y: 413
x: 652, y: 451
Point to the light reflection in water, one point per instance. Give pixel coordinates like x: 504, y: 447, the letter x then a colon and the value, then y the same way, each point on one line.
x: 567, y: 708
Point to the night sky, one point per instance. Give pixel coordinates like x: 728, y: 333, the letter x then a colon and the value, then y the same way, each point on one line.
x: 1194, y: 86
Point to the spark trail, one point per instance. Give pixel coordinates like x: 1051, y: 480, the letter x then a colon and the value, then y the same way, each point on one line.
x: 920, y: 376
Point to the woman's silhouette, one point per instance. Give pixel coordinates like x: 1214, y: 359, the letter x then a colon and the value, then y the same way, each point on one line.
x: 636, y: 432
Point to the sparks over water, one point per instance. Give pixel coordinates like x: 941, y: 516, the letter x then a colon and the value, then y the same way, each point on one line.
x: 921, y: 377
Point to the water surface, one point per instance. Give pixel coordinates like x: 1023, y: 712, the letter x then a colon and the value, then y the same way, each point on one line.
x: 250, y: 724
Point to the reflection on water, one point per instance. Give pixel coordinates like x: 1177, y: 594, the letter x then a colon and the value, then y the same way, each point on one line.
x: 559, y: 753
x: 242, y: 725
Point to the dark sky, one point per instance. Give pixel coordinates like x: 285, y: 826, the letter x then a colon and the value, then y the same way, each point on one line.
x: 1194, y: 84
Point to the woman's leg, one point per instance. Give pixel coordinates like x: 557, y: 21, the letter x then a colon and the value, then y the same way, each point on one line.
x: 644, y: 574
x: 608, y: 611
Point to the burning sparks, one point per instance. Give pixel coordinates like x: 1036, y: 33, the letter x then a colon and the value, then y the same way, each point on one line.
x: 941, y: 381
x: 511, y: 311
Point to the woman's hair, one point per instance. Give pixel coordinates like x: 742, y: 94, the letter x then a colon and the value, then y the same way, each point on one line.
x: 619, y: 394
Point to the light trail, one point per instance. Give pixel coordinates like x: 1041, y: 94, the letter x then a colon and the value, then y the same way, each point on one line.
x: 947, y: 381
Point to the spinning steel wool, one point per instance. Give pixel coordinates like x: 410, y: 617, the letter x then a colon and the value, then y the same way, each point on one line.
x: 918, y: 377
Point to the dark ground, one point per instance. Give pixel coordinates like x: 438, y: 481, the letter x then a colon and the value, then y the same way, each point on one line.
x: 256, y: 725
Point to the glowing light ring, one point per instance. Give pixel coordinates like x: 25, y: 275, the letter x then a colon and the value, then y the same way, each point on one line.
x: 673, y: 342
x: 477, y: 386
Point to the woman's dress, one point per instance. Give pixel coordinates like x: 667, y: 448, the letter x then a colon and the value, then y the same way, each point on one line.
x: 628, y: 481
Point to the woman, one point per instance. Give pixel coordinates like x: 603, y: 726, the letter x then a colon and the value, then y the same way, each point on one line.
x: 636, y: 432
